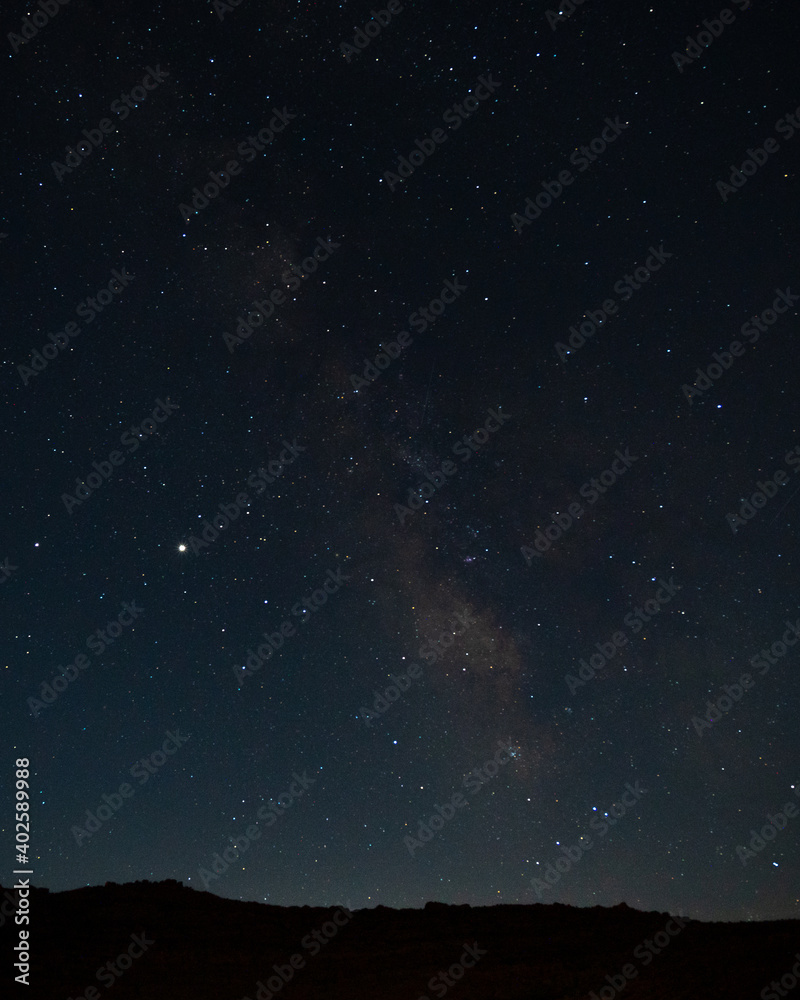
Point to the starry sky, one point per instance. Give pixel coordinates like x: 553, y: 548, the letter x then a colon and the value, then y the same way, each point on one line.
x: 329, y: 480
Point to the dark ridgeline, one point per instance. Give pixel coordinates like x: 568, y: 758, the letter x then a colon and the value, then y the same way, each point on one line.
x: 189, y: 945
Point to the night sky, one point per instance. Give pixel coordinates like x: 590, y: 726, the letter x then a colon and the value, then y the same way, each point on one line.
x: 357, y: 555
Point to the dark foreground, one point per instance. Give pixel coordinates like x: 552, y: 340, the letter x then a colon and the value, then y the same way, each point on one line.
x: 162, y: 941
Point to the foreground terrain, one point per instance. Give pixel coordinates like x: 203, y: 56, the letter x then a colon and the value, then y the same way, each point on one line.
x: 163, y: 941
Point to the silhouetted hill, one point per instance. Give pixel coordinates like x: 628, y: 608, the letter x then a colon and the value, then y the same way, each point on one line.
x: 180, y: 944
